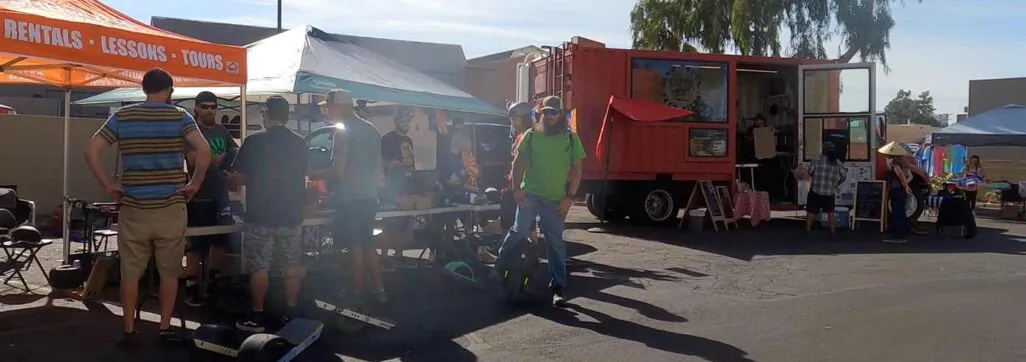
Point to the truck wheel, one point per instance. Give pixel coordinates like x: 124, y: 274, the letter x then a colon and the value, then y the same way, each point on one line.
x: 594, y: 207
x: 654, y: 205
x: 915, y: 202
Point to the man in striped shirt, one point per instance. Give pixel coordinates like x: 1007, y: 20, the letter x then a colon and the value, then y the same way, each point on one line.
x: 151, y: 138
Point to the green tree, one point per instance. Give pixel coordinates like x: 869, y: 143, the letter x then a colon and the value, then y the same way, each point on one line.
x: 753, y: 27
x: 904, y: 109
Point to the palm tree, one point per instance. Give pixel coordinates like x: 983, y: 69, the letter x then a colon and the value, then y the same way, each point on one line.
x: 753, y: 27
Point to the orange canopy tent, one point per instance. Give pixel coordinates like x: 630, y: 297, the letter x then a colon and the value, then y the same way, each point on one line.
x: 84, y: 43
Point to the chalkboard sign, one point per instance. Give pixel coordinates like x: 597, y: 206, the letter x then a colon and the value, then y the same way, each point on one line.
x: 711, y: 201
x: 723, y: 194
x: 705, y: 192
x: 870, y: 202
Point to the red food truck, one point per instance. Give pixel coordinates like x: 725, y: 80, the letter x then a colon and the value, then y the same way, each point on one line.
x: 649, y: 158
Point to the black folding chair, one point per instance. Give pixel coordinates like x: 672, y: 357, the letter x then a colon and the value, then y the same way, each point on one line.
x: 20, y: 255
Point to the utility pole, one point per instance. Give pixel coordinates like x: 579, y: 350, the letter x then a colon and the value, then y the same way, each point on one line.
x: 279, y: 16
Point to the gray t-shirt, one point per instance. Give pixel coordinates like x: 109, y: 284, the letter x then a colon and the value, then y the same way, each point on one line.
x: 363, y: 164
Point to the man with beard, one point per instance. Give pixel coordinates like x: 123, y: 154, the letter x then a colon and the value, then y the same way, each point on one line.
x: 397, y: 153
x: 546, y: 173
x: 211, y: 205
x: 357, y: 173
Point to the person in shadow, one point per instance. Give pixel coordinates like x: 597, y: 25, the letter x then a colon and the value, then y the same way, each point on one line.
x: 677, y: 343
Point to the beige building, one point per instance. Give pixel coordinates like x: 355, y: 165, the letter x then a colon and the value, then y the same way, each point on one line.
x: 30, y: 154
x: 988, y: 94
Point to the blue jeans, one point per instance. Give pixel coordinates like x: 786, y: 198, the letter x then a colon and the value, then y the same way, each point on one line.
x: 899, y: 220
x: 552, y: 227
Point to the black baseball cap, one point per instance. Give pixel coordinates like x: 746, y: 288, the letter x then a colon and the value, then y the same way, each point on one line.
x: 206, y: 97
x: 277, y: 108
x: 551, y: 103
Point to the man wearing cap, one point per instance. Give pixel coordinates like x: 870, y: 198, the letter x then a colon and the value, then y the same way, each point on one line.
x: 400, y: 162
x: 273, y: 165
x: 827, y: 174
x: 546, y: 173
x: 211, y: 205
x: 520, y: 122
x: 357, y: 173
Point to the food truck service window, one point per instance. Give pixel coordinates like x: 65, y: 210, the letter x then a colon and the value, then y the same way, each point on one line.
x: 707, y: 142
x: 850, y: 136
x: 699, y: 87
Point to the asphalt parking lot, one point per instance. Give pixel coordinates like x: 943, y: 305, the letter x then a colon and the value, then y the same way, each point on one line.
x: 757, y: 294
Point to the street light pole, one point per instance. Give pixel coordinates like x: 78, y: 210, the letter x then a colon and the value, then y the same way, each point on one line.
x: 279, y: 16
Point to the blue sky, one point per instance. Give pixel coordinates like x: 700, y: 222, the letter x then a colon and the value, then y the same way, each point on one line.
x: 937, y: 45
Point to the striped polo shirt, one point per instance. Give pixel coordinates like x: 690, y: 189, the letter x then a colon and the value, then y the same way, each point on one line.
x: 151, y: 141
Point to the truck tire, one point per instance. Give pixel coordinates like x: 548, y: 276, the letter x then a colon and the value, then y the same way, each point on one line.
x: 920, y: 191
x: 594, y: 207
x: 653, y: 205
x: 915, y: 204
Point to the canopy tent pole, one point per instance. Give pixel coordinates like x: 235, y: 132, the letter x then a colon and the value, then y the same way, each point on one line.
x: 64, y: 177
x: 243, y: 128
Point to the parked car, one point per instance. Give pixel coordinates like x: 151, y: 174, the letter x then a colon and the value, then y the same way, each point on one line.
x: 7, y: 111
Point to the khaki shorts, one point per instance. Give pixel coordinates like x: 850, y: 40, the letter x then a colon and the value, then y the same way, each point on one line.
x: 146, y: 233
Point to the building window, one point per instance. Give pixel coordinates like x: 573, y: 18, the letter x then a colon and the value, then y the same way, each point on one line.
x: 699, y: 87
x: 707, y: 142
x: 850, y: 136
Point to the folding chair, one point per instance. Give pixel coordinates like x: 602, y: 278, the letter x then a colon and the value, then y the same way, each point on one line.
x: 21, y: 254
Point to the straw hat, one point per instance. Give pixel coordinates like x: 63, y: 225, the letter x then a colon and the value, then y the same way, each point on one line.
x: 893, y: 149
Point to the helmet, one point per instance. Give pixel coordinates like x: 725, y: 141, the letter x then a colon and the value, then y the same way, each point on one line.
x: 493, y: 195
x: 519, y: 109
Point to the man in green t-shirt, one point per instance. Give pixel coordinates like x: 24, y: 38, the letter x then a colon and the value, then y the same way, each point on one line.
x: 546, y: 173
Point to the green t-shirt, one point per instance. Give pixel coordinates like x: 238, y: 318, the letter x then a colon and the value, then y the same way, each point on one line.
x: 551, y: 156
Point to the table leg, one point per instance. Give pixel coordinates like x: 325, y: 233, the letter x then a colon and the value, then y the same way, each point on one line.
x: 751, y: 174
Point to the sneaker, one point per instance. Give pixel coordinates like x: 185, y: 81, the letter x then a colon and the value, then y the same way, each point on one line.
x: 249, y: 325
x: 170, y: 336
x: 193, y: 298
x: 558, y: 299
x: 130, y: 340
x: 226, y: 218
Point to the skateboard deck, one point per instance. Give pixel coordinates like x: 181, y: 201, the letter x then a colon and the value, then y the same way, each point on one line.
x: 301, y: 333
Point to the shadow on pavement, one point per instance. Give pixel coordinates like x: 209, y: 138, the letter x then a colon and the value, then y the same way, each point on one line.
x: 682, y: 344
x: 433, y: 313
x: 786, y: 236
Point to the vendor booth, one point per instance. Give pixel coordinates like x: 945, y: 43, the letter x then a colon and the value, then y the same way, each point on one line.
x: 1005, y: 126
x: 1001, y: 131
x: 305, y: 62
x: 86, y: 44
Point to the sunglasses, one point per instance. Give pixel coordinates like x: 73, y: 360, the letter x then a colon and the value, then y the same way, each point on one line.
x: 209, y: 107
x: 550, y: 112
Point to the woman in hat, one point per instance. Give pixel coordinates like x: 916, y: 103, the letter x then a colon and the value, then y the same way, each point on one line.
x: 973, y: 176
x: 898, y: 178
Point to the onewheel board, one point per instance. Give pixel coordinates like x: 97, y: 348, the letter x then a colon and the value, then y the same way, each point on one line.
x: 354, y: 313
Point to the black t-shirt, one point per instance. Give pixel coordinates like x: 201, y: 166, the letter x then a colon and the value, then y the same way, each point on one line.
x: 221, y: 144
x: 397, y: 147
x: 275, y: 164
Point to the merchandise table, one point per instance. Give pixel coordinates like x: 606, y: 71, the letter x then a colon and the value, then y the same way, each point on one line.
x: 323, y: 217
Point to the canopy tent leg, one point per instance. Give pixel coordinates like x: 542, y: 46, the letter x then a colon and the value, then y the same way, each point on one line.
x: 64, y: 178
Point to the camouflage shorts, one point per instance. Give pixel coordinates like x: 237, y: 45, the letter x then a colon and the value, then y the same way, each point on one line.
x: 263, y: 245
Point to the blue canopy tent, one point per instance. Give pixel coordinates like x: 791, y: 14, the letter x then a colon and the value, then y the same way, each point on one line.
x: 306, y: 60
x: 1005, y: 126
